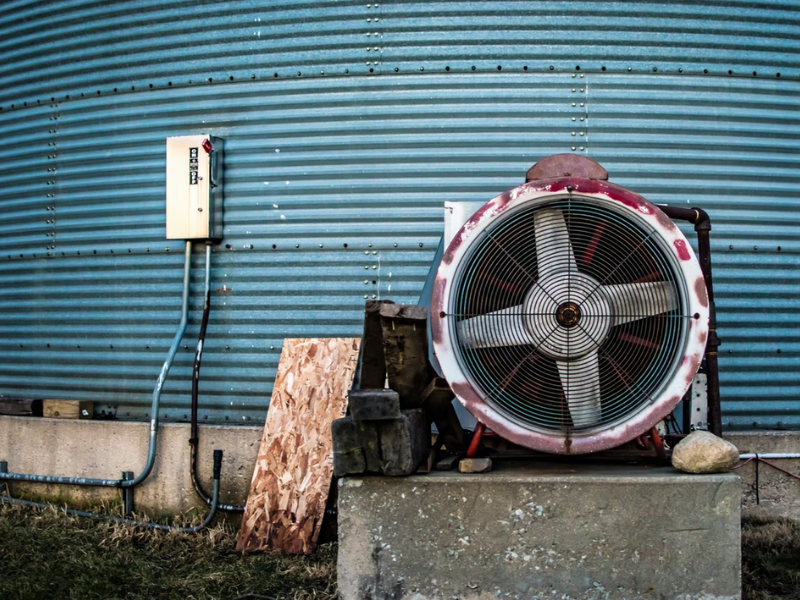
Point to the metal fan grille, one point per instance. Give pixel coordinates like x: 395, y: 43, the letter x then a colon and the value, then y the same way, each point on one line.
x: 569, y: 315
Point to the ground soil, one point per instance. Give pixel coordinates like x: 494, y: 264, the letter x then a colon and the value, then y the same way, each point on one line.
x: 45, y: 555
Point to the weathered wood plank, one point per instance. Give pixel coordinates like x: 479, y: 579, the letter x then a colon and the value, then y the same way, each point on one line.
x: 295, y: 461
x: 20, y: 407
x: 68, y: 409
x: 373, y: 364
x: 438, y: 404
x: 405, y: 346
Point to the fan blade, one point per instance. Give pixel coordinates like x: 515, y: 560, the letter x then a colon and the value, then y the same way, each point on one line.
x: 580, y: 380
x: 553, y: 248
x: 634, y: 301
x: 495, y: 329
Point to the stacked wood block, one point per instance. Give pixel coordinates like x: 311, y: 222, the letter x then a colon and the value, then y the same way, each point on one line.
x: 388, y: 430
x: 379, y: 437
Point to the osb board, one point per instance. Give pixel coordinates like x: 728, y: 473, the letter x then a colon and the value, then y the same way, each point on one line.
x: 295, y: 461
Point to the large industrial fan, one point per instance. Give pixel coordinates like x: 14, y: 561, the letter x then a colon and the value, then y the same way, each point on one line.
x: 569, y: 314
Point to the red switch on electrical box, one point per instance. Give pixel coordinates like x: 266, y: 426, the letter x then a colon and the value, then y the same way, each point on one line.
x: 207, y: 146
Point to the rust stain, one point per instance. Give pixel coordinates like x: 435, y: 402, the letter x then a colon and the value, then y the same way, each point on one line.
x: 664, y: 220
x: 437, y: 320
x: 700, y: 291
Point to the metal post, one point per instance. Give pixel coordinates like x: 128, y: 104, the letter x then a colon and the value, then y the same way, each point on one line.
x: 4, y: 469
x: 127, y: 495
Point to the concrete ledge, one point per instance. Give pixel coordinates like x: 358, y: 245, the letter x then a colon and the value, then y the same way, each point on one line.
x: 106, y: 448
x: 554, y: 530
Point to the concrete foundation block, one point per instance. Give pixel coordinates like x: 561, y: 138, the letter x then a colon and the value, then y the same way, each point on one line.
x: 541, y: 531
x: 103, y: 449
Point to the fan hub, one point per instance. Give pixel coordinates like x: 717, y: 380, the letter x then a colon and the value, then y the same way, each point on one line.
x: 568, y: 314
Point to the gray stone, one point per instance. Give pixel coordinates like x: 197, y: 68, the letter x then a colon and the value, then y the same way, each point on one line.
x: 703, y: 452
x: 448, y: 463
x: 374, y: 405
x: 550, y: 529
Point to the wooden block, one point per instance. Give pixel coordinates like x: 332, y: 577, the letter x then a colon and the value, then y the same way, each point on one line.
x: 404, y: 443
x: 438, y: 404
x: 68, y: 409
x: 475, y: 465
x: 293, y: 471
x: 20, y: 407
x: 374, y: 405
x: 405, y: 348
x: 373, y: 364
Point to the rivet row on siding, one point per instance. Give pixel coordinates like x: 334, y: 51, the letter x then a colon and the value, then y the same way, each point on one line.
x: 372, y: 34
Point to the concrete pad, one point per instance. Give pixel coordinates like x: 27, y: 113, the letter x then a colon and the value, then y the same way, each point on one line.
x: 541, y: 530
x: 103, y: 449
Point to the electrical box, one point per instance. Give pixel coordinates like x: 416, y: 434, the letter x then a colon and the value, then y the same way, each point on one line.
x: 194, y: 187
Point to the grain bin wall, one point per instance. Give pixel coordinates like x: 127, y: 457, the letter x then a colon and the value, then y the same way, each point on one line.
x: 346, y: 126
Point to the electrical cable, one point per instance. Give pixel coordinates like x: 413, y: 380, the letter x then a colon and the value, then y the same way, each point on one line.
x: 194, y: 437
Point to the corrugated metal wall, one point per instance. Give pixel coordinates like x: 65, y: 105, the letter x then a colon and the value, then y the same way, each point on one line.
x: 335, y: 182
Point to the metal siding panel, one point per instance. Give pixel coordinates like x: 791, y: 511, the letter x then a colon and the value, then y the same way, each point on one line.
x: 740, y: 36
x: 340, y: 170
x: 368, y: 160
x: 731, y: 147
x: 86, y: 47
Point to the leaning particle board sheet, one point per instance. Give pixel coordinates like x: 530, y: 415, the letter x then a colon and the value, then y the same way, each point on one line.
x: 295, y: 461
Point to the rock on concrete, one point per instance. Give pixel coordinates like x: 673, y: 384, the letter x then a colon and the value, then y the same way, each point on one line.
x: 704, y: 452
x: 546, y: 530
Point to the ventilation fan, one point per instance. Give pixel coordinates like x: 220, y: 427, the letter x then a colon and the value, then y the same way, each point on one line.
x: 569, y: 314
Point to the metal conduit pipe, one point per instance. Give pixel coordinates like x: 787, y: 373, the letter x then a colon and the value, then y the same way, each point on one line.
x: 194, y: 437
x: 151, y: 451
x: 769, y: 455
x: 5, y: 497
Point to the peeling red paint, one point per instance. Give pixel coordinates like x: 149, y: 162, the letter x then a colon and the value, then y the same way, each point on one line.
x: 683, y: 250
x: 664, y: 220
x: 700, y: 290
x: 464, y: 391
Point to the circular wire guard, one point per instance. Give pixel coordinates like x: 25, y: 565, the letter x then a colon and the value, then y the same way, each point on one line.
x: 568, y: 315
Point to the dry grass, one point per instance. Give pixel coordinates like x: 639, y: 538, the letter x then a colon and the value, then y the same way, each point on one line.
x: 47, y: 555
x: 770, y: 559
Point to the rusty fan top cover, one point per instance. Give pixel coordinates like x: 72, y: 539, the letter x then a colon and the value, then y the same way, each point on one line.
x: 569, y: 315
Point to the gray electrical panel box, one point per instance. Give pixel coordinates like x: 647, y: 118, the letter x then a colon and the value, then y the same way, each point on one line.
x: 194, y: 187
